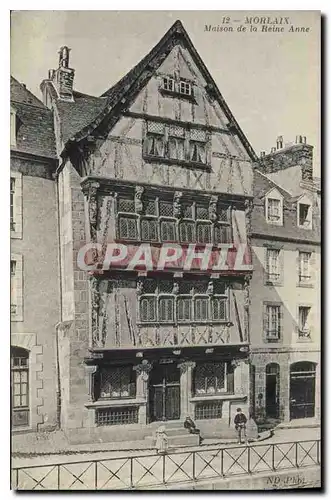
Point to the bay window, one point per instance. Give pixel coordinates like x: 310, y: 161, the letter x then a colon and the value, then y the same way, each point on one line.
x: 167, y: 301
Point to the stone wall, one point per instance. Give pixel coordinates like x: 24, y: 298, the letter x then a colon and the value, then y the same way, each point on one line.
x: 35, y: 329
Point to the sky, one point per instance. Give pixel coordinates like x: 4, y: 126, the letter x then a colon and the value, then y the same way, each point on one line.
x: 270, y: 80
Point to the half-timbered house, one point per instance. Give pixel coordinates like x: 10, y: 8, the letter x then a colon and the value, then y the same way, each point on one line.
x: 157, y: 159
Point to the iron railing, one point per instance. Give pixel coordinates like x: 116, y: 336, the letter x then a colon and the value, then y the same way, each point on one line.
x: 153, y: 470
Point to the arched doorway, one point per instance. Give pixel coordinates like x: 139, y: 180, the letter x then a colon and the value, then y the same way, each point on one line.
x: 272, y: 390
x: 302, y: 390
x: 20, y: 386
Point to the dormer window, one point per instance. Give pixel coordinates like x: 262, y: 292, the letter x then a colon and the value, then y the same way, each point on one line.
x: 274, y: 207
x: 169, y: 84
x: 304, y: 216
x: 273, y: 210
x: 185, y: 88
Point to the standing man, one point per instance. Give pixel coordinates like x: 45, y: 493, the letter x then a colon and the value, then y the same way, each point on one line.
x: 240, y: 421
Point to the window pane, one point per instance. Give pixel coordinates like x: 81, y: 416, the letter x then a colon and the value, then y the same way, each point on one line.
x: 273, y: 322
x: 166, y: 309
x: 128, y: 228
x: 186, y: 232
x: 117, y: 382
x: 149, y: 230
x: 176, y: 148
x: 147, y: 309
x: 273, y: 209
x: 17, y: 401
x: 273, y: 264
x: 125, y: 205
x: 184, y: 308
x: 155, y: 145
x: 201, y: 309
x: 166, y: 209
x: 203, y: 233
x: 223, y: 234
x: 168, y: 231
x: 219, y: 309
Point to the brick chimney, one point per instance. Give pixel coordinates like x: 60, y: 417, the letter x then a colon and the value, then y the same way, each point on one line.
x: 297, y: 153
x: 63, y: 77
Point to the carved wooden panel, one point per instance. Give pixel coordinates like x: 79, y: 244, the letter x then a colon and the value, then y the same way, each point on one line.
x: 117, y: 323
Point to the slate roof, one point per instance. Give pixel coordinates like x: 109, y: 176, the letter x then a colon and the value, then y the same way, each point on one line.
x: 34, y: 122
x: 290, y: 229
x: 74, y: 116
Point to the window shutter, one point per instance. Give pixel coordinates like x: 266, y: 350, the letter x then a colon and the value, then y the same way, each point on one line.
x: 313, y: 267
x: 265, y: 321
x: 281, y: 266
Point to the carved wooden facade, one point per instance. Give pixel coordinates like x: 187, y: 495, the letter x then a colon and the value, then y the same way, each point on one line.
x: 164, y: 162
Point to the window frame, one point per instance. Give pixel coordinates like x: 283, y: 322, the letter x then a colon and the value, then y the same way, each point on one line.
x: 16, y: 287
x: 274, y: 195
x: 177, y: 223
x: 203, y: 365
x: 277, y: 276
x: 20, y: 353
x: 16, y: 205
x: 185, y: 136
x: 309, y: 218
x: 193, y: 295
x: 304, y: 331
x: 132, y: 385
x: 266, y: 322
x: 307, y: 281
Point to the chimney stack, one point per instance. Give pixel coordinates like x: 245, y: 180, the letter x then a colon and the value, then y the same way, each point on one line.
x: 262, y: 154
x: 279, y: 142
x: 273, y: 150
x: 63, y: 76
x: 298, y: 139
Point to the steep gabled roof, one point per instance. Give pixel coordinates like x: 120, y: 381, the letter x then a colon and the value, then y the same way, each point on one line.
x: 34, y: 123
x: 118, y: 93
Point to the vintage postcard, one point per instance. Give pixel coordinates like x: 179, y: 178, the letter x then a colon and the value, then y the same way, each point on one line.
x: 165, y: 213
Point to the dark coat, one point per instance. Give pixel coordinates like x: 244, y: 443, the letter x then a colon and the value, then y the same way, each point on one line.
x: 240, y: 419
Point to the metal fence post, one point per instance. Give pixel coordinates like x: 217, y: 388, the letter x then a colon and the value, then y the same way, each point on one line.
x: 296, y: 455
x: 318, y: 450
x: 193, y: 465
x: 16, y: 479
x: 58, y: 477
x: 163, y: 471
x: 131, y: 472
x: 222, y: 462
x: 248, y: 459
x: 273, y: 457
x: 96, y: 475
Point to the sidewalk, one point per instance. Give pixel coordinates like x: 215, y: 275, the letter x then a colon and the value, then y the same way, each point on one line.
x: 102, y: 451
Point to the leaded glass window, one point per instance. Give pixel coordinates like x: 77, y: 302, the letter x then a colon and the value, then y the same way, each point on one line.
x: 117, y: 382
x: 210, y: 378
x: 20, y: 386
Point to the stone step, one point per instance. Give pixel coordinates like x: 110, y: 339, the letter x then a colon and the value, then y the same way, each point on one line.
x: 175, y: 441
x: 173, y: 431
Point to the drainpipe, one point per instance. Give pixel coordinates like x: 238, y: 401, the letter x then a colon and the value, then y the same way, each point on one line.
x: 57, y: 361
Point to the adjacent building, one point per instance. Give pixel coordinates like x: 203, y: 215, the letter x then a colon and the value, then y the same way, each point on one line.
x: 286, y: 284
x: 33, y: 263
